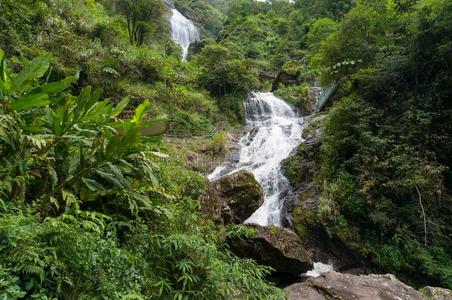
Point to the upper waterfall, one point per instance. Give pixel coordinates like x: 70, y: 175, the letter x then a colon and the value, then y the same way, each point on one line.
x: 184, y: 32
x: 276, y: 131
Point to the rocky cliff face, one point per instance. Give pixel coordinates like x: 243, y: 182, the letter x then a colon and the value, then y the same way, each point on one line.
x: 302, y: 207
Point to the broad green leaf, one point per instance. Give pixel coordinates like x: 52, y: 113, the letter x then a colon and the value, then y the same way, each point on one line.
x: 53, y: 176
x: 30, y: 100
x: 140, y: 112
x: 120, y: 143
x: 34, y: 70
x: 71, y: 165
x: 55, y: 87
x: 110, y: 178
x: 120, y: 107
x: 4, y: 79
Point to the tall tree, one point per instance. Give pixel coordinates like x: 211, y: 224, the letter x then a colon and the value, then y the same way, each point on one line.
x: 142, y: 16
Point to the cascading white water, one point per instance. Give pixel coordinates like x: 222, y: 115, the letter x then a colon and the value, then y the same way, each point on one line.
x: 276, y: 131
x: 319, y: 269
x: 184, y: 32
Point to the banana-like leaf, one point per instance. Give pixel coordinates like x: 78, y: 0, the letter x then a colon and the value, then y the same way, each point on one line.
x: 93, y: 185
x: 54, y: 88
x: 4, y: 78
x: 140, y: 112
x: 30, y: 100
x: 34, y: 70
x: 53, y: 176
x: 154, y: 127
x: 120, y: 107
x: 111, y: 178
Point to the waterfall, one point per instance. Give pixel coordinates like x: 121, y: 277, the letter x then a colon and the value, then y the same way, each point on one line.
x: 276, y: 132
x: 184, y: 32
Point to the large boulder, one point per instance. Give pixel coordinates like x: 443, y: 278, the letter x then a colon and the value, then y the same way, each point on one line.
x: 276, y: 247
x: 345, y: 286
x: 232, y: 199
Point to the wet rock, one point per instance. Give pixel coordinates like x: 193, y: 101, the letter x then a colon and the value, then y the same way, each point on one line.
x: 278, y: 248
x: 345, y: 286
x: 232, y: 199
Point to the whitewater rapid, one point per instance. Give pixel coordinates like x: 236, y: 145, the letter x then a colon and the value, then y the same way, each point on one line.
x: 275, y: 132
x: 184, y: 32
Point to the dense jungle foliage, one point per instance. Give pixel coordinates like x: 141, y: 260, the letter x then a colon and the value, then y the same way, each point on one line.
x: 386, y: 153
x: 92, y: 209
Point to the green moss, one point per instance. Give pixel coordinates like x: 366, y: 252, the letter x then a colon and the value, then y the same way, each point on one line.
x: 251, y: 231
x: 304, y: 221
x: 299, y: 168
x: 292, y: 168
x: 274, y: 230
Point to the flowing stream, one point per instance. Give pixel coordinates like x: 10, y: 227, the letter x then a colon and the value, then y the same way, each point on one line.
x: 275, y: 131
x: 184, y: 32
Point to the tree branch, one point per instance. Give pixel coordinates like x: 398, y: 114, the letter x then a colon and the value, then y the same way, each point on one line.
x: 423, y: 215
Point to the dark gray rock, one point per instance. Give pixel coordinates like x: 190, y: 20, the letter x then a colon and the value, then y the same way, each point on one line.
x: 276, y: 247
x: 232, y: 199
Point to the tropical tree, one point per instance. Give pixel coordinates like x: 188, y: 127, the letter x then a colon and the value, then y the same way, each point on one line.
x: 61, y: 151
x: 143, y: 16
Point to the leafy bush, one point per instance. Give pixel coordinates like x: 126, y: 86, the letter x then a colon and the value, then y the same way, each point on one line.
x: 64, y: 150
x: 218, y: 143
x: 70, y: 256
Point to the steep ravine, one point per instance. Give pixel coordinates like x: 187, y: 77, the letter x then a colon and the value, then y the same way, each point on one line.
x: 279, y: 148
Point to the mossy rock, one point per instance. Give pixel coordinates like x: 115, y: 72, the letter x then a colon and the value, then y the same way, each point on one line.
x: 304, y: 220
x: 333, y: 285
x: 232, y: 199
x: 303, y: 165
x: 314, y: 126
x: 292, y: 169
